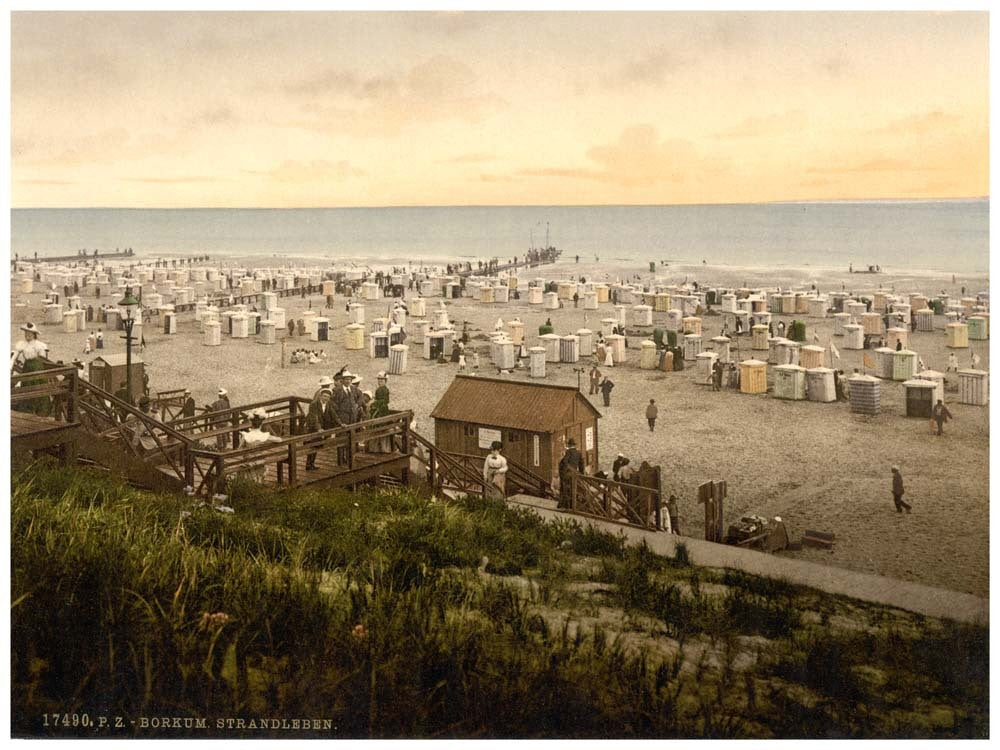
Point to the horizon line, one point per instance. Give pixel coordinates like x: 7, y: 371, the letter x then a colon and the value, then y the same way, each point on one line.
x: 791, y: 201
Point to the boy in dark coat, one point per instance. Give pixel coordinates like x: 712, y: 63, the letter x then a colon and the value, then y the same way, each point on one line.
x: 897, y: 491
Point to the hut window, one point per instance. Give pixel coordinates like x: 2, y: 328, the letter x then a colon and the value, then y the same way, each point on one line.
x: 514, y: 437
x: 536, y: 450
x: 470, y: 430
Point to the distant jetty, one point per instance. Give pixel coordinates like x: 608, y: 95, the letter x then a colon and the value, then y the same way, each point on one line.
x: 76, y: 258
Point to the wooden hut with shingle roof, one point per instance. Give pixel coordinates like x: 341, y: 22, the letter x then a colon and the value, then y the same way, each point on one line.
x: 532, y: 420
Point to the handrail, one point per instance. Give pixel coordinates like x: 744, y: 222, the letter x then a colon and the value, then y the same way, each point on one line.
x: 458, y: 470
x: 60, y: 383
x: 603, y: 493
x: 228, y: 413
x: 521, y: 474
x: 124, y: 406
x: 220, y: 464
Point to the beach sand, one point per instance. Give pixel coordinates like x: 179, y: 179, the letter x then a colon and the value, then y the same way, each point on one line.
x: 817, y: 466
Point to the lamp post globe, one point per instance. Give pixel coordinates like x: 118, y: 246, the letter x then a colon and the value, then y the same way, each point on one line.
x: 129, y: 305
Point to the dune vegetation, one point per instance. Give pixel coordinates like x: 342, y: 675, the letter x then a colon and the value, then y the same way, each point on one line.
x: 392, y: 613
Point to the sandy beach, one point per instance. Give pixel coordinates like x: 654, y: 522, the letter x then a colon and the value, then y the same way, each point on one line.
x: 816, y: 465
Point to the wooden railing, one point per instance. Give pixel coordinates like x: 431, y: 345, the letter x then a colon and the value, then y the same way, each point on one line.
x: 52, y: 392
x: 169, y: 404
x: 119, y: 422
x: 621, y: 502
x: 208, y: 470
x: 520, y: 480
x: 286, y: 416
x: 444, y: 472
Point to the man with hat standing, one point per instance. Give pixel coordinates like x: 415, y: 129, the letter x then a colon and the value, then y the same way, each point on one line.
x: 343, y: 401
x: 322, y: 416
x: 570, y: 464
x: 221, y: 403
x: 324, y: 382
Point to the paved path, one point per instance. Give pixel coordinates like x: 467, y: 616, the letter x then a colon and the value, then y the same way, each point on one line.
x: 913, y: 597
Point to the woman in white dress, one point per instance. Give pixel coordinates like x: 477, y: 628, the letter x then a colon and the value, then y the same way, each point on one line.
x: 495, y: 471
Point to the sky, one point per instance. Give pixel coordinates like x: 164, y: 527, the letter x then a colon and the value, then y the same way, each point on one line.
x: 310, y: 109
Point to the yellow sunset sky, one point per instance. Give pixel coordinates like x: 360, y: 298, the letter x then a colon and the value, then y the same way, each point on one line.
x: 577, y: 108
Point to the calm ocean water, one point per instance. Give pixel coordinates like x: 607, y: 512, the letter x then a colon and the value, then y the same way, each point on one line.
x: 945, y: 235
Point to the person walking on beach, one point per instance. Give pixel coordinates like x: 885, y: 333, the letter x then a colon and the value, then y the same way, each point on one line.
x: 952, y: 362
x: 100, y: 339
x: 651, y: 412
x: 897, y: 491
x: 595, y: 380
x: 606, y: 386
x: 941, y: 415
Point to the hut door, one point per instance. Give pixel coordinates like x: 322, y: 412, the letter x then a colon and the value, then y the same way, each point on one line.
x: 516, y: 446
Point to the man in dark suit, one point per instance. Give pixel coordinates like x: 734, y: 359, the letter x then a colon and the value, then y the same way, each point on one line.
x: 321, y: 417
x: 570, y: 464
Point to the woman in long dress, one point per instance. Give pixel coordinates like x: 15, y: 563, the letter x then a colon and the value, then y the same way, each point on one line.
x: 495, y: 471
x: 30, y: 355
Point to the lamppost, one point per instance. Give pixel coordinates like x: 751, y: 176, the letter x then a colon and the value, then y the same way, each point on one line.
x: 130, y: 304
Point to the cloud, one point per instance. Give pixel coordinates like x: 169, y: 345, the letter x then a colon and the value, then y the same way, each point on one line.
x: 439, y: 88
x: 769, y: 125
x: 651, y: 69
x: 311, y: 171
x: 638, y: 158
x: 486, y: 177
x: 448, y: 22
x: 172, y: 180
x: 221, y: 115
x: 46, y: 182
x: 835, y: 65
x: 95, y: 147
x: 475, y: 158
x: 883, y: 164
x: 920, y: 123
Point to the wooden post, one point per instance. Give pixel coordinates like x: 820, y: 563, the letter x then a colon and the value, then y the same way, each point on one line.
x: 431, y: 468
x: 718, y: 493
x: 572, y: 496
x: 282, y: 353
x: 350, y: 448
x: 292, y: 463
x: 659, y: 499
x: 705, y: 497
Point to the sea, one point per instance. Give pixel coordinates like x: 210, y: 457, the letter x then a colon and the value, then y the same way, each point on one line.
x: 951, y: 236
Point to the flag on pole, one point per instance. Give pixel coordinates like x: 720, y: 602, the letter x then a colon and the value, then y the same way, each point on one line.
x: 833, y: 350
